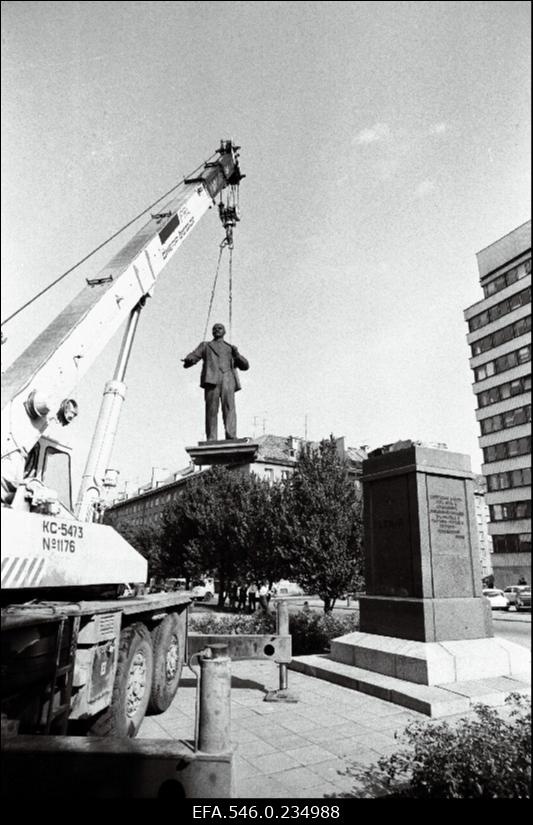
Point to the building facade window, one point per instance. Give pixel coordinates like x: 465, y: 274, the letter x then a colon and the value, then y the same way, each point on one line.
x: 511, y: 478
x: 507, y: 278
x: 507, y: 449
x: 521, y: 299
x: 503, y: 363
x: 512, y: 543
x: 503, y: 421
x: 503, y: 391
x: 510, y: 511
x: 501, y: 336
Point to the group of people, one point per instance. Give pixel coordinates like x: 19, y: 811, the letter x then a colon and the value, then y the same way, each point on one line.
x: 244, y: 597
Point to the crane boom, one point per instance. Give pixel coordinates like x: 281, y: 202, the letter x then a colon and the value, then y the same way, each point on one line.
x: 39, y: 379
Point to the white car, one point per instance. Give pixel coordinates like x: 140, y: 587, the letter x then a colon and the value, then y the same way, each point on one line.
x: 513, y: 595
x: 286, y: 588
x: 497, y: 599
x: 202, y: 589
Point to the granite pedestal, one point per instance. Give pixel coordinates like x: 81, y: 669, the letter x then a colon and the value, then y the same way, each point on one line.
x: 424, y: 619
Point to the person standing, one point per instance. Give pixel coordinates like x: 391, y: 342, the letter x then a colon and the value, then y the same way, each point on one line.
x: 252, y: 597
x: 242, y: 597
x: 233, y: 595
x: 264, y: 596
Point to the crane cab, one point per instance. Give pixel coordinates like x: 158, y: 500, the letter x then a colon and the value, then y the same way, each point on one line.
x: 47, y: 482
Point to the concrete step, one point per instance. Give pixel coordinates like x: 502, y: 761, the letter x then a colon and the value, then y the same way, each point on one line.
x: 434, y: 700
x: 431, y: 663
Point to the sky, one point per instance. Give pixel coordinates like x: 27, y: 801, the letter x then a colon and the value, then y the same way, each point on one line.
x: 383, y: 143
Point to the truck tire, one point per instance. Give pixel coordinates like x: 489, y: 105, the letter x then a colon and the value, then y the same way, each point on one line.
x: 131, y: 688
x: 168, y: 661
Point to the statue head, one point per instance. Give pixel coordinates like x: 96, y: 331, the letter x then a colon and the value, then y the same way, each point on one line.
x: 219, y: 330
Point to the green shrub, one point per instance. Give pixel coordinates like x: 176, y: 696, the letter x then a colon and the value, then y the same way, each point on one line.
x: 233, y: 623
x: 484, y: 757
x: 311, y: 632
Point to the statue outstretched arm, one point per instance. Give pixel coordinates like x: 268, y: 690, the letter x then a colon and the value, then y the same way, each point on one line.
x: 193, y: 357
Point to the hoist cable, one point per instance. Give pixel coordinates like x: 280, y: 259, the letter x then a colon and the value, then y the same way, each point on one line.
x: 213, y: 291
x: 230, y: 289
x: 101, y: 246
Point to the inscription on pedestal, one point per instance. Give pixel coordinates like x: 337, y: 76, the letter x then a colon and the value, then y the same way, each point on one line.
x: 449, y: 536
x: 447, y: 515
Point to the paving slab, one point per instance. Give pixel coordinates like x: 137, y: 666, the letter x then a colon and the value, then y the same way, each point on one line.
x: 293, y: 751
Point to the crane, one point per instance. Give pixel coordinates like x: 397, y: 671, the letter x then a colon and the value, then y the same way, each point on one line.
x: 36, y: 387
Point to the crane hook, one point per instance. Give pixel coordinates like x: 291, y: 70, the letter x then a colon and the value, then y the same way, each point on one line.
x: 229, y: 215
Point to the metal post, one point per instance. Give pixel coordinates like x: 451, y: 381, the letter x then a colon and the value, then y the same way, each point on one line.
x: 282, y: 629
x: 215, y: 701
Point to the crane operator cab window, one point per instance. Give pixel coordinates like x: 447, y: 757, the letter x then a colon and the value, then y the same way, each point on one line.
x: 49, y: 465
x: 56, y: 475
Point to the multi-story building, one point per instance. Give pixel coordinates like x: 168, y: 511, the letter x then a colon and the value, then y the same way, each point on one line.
x: 275, y: 460
x: 482, y: 520
x: 500, y: 343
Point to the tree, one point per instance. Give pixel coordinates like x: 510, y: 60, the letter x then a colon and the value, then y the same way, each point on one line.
x: 265, y: 555
x: 205, y: 530
x: 324, y: 524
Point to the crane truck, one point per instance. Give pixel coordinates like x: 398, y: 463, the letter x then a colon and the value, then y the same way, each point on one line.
x: 76, y: 649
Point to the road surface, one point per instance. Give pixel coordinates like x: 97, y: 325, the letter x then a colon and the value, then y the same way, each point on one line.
x: 515, y: 627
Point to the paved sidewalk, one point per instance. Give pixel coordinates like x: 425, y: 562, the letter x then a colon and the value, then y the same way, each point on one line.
x: 291, y: 750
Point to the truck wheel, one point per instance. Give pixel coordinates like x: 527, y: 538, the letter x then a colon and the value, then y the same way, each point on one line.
x: 168, y: 660
x: 131, y: 689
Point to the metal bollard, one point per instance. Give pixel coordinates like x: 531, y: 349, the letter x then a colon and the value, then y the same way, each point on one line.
x: 282, y: 629
x: 214, y: 734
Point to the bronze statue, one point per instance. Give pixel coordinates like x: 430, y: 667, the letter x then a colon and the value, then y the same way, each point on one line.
x: 219, y: 380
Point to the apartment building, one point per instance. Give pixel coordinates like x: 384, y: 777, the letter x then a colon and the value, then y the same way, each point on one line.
x: 482, y: 520
x: 499, y: 338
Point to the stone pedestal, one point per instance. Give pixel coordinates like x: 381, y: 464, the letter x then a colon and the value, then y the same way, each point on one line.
x: 426, y: 634
x: 229, y: 451
x: 421, y: 548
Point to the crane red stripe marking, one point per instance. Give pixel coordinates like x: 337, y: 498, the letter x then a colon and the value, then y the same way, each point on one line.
x: 30, y: 568
x: 14, y: 563
x: 37, y: 576
x: 20, y: 571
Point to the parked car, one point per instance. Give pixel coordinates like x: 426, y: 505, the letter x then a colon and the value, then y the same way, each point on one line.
x: 284, y: 587
x: 515, y: 593
x: 523, y: 599
x: 497, y: 599
x: 175, y: 584
x: 202, y: 589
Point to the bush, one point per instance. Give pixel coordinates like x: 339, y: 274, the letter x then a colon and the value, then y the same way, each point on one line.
x: 311, y: 632
x: 485, y: 757
x: 233, y: 623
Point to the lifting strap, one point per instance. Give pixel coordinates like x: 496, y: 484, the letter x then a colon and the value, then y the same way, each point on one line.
x: 229, y: 216
x: 229, y: 246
